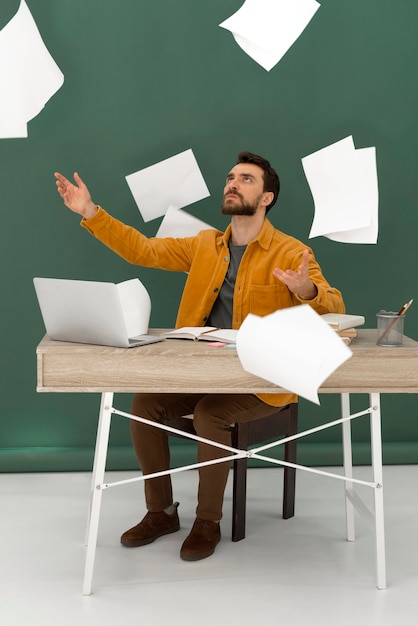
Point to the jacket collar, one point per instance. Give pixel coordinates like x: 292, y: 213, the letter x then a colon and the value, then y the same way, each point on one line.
x: 264, y: 237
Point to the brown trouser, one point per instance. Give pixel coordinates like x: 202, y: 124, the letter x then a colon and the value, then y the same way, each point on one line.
x: 213, y: 415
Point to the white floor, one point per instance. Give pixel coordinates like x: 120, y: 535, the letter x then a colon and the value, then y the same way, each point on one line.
x: 293, y: 572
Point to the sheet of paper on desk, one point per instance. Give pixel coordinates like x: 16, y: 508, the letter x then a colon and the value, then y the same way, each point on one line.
x: 176, y: 182
x: 266, y: 29
x: 29, y: 76
x: 178, y: 223
x: 344, y: 186
x: 293, y: 348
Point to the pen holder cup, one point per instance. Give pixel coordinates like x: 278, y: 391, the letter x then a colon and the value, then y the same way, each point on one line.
x: 390, y: 327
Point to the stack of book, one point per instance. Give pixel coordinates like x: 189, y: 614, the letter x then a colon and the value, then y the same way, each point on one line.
x: 344, y: 324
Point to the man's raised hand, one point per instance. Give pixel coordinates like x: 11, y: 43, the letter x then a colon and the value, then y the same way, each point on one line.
x: 76, y: 197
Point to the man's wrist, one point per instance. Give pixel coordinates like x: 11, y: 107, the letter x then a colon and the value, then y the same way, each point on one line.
x: 309, y: 295
x: 90, y: 211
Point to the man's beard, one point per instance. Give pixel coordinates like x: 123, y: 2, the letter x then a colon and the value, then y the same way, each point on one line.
x: 244, y: 208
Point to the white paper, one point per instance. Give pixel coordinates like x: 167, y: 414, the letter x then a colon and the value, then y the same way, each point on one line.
x: 176, y: 182
x: 344, y: 186
x: 266, y: 29
x: 29, y: 76
x: 292, y: 348
x: 178, y: 223
x: 136, y: 306
x: 370, y: 190
x: 9, y: 132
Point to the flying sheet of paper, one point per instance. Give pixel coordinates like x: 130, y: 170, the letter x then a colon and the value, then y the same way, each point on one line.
x: 266, y: 29
x: 176, y: 181
x: 9, y: 132
x: 344, y: 186
x: 29, y: 76
x: 136, y: 306
x: 293, y: 348
x: 178, y: 223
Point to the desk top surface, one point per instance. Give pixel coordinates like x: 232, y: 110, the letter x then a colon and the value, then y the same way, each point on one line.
x: 177, y: 365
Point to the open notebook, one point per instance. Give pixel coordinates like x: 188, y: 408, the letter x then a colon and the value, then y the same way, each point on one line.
x: 203, y: 333
x: 101, y: 313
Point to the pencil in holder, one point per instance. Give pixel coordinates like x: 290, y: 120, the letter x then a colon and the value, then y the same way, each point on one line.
x: 390, y: 327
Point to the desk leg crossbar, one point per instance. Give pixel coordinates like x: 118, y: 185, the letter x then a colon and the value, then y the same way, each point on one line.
x: 351, y: 498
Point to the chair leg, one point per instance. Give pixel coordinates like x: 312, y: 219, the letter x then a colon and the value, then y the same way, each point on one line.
x: 239, y: 497
x: 289, y: 492
x: 239, y: 489
x: 289, y: 480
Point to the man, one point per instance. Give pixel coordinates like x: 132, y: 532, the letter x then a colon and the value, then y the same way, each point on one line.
x: 250, y: 268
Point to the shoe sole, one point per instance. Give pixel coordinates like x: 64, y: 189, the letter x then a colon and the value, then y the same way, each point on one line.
x: 145, y: 542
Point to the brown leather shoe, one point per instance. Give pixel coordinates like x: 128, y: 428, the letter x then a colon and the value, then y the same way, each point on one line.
x: 153, y: 525
x: 202, y: 540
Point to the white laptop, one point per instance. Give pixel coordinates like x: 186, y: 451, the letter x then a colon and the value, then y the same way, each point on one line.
x: 101, y: 313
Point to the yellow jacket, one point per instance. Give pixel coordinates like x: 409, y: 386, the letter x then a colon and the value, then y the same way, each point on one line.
x: 205, y: 258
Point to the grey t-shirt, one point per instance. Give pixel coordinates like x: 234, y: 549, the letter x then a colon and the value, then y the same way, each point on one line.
x: 221, y: 314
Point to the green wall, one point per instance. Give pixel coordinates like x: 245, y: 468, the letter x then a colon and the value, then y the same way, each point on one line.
x: 147, y: 80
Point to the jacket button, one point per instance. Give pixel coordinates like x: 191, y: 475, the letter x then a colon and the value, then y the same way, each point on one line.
x: 216, y: 289
x: 226, y: 258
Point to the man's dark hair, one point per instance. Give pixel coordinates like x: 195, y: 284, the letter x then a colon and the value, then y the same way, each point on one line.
x: 271, y: 178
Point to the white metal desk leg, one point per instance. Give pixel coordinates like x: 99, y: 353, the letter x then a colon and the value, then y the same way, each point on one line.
x: 94, y: 481
x: 348, y: 467
x: 98, y: 477
x: 376, y: 443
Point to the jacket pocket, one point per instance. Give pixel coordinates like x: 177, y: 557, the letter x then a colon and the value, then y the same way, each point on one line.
x: 265, y: 299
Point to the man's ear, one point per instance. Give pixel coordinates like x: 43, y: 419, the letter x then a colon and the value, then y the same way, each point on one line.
x: 268, y: 198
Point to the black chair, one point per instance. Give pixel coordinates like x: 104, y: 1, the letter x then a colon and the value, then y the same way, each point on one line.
x: 282, y: 424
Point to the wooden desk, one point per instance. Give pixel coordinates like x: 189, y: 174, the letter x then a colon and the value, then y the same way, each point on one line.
x: 195, y: 367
